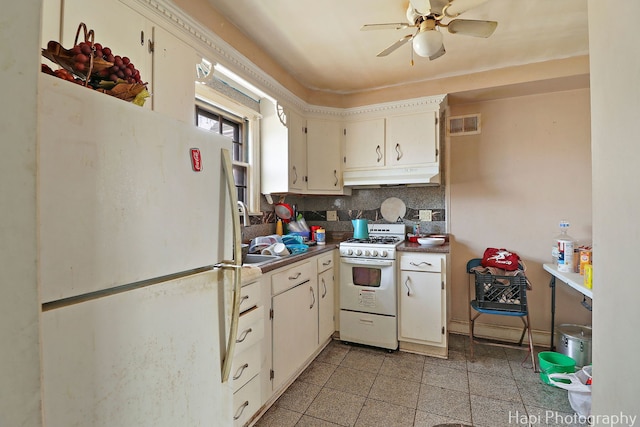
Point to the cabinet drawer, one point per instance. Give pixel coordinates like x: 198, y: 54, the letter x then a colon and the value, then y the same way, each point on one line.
x: 250, y: 329
x: 422, y: 262
x: 250, y: 296
x: 325, y: 262
x: 245, y: 366
x: 291, y: 277
x: 246, y: 402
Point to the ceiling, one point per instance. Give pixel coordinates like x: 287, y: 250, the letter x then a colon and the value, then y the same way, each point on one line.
x: 319, y: 42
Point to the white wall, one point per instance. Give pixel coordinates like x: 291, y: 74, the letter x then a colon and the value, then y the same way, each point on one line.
x: 509, y: 187
x: 19, y: 353
x: 615, y: 107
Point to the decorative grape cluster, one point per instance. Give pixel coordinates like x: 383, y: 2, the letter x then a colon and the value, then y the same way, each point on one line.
x: 122, y: 69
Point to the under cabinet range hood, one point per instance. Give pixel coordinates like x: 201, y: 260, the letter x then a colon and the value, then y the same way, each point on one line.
x: 414, y: 176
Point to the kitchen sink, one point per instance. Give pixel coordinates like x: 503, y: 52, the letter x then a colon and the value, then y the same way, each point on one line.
x: 254, y: 259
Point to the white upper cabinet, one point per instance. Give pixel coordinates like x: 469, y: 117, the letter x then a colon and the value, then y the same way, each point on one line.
x: 115, y: 25
x: 324, y: 154
x: 166, y: 63
x: 283, y: 150
x: 392, y: 144
x: 412, y: 139
x: 297, y: 152
x: 174, y: 65
x: 299, y: 155
x: 364, y: 144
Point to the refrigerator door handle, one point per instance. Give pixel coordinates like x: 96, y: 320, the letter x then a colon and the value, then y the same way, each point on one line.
x: 236, y: 267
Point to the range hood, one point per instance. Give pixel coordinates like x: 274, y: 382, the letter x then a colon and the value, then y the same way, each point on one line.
x: 414, y: 176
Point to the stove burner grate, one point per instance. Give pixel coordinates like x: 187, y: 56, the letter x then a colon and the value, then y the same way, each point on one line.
x: 385, y: 240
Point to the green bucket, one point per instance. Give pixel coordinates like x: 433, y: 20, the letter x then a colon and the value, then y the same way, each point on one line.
x: 554, y: 363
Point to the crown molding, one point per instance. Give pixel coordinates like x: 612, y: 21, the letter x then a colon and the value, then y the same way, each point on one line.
x: 216, y: 50
x: 213, y: 47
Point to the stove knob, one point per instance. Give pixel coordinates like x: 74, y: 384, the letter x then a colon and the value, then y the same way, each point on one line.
x: 347, y: 252
x: 384, y: 254
x: 358, y: 252
x: 367, y: 253
x: 374, y: 253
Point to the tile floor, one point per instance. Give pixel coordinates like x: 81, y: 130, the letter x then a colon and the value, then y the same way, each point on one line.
x: 362, y: 386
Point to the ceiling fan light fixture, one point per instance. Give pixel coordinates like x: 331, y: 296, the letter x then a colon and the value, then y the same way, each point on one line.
x: 427, y: 43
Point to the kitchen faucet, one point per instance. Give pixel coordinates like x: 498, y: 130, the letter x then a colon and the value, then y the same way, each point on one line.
x: 245, y: 216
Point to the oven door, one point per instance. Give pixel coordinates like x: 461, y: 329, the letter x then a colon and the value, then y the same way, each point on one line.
x: 368, y: 286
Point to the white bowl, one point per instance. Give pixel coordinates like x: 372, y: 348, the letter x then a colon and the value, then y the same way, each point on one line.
x: 431, y: 241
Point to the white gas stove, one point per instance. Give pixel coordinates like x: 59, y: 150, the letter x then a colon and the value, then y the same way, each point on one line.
x: 382, y: 242
x: 368, y: 312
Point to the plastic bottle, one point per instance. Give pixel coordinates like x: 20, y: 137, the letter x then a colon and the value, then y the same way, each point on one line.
x: 563, y: 249
x: 279, y: 227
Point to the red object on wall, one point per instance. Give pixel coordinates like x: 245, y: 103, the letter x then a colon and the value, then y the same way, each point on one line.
x: 196, y: 160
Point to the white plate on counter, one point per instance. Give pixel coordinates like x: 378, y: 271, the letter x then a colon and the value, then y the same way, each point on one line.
x: 431, y: 241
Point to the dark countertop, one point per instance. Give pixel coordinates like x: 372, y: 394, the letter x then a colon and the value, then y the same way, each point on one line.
x: 407, y: 246
x: 290, y: 259
x: 333, y: 244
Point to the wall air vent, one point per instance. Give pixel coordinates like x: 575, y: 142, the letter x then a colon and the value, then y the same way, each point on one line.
x: 463, y: 125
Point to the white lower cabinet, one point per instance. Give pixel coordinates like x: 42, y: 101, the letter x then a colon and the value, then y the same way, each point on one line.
x: 422, y: 302
x: 295, y: 320
x: 326, y: 300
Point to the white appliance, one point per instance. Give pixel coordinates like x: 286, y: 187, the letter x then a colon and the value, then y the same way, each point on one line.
x: 368, y: 302
x: 133, y: 208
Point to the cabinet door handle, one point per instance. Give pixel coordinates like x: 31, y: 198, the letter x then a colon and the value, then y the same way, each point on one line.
x: 406, y: 283
x: 398, y: 151
x: 142, y: 38
x: 335, y: 175
x: 313, y: 298
x: 241, y: 410
x: 243, y: 335
x: 379, y: 153
x: 296, y: 276
x: 420, y: 263
x: 324, y: 288
x: 295, y: 174
x: 240, y: 371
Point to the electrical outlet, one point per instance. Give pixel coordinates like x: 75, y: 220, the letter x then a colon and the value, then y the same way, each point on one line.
x: 425, y: 214
x: 332, y: 215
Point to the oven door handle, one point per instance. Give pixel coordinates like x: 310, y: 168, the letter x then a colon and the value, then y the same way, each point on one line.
x: 367, y: 262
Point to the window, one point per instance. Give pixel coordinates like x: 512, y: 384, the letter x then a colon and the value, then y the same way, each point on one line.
x: 232, y: 127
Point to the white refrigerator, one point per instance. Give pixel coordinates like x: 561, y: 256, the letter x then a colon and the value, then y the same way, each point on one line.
x: 135, y: 209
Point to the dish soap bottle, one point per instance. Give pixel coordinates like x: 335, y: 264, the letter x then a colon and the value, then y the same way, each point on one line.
x: 279, y: 227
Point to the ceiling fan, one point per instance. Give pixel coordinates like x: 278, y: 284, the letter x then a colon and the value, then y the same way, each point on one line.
x: 427, y: 16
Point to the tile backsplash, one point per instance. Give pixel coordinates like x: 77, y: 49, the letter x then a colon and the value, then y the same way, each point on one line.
x: 363, y: 203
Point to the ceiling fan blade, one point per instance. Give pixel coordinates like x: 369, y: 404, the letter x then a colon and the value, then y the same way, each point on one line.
x: 396, y: 45
x: 473, y: 28
x: 438, y: 54
x: 456, y: 7
x: 422, y: 7
x: 387, y: 26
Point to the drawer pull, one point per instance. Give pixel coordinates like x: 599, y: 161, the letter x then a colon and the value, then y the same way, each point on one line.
x: 243, y: 298
x: 420, y: 263
x: 243, y: 336
x: 240, y: 371
x: 326, y: 263
x: 296, y: 276
x: 241, y: 410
